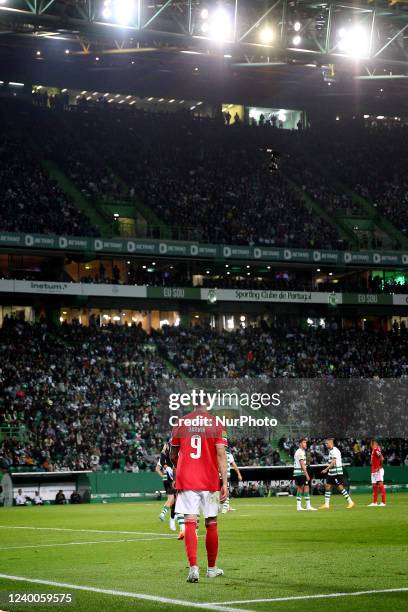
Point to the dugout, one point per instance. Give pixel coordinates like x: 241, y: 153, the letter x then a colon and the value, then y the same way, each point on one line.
x: 47, y: 484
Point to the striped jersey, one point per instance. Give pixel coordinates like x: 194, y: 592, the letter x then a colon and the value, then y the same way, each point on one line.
x: 334, y: 453
x: 230, y: 461
x: 165, y: 464
x: 300, y: 455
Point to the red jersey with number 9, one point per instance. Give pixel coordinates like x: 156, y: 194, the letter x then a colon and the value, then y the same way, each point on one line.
x: 197, y: 466
x: 376, y: 462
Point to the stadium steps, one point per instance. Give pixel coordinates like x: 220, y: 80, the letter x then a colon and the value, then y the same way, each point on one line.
x: 151, y: 218
x: 130, y: 222
x: 386, y: 226
x: 370, y: 212
x: 344, y: 231
x: 95, y: 215
x: 142, y: 210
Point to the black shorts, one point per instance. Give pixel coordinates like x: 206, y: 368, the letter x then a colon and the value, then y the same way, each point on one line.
x: 335, y: 480
x: 301, y: 480
x: 168, y: 487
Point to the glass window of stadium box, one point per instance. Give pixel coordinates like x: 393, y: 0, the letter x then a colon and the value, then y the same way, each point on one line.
x: 285, y: 118
x: 392, y: 281
x: 153, y: 319
x: 46, y: 96
x: 232, y: 322
x: 126, y: 272
x: 233, y: 112
x: 29, y: 267
x: 399, y: 322
x: 98, y: 271
x: 23, y: 313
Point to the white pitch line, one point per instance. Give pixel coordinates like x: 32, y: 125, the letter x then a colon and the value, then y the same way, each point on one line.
x: 273, y: 505
x: 320, y: 596
x: 143, y: 596
x: 81, y: 543
x: 146, y: 533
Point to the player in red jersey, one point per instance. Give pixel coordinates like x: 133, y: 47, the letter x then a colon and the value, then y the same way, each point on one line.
x: 198, y: 452
x: 377, y: 473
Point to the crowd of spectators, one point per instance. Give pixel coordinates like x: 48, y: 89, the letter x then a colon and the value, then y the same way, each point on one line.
x: 74, y: 151
x: 192, y: 174
x: 84, y: 395
x: 285, y: 350
x: 321, y: 189
x: 226, y: 181
x: 370, y: 161
x: 76, y: 397
x: 31, y: 201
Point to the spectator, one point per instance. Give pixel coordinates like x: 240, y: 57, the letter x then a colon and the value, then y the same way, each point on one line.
x: 60, y: 498
x: 38, y: 500
x: 20, y: 498
x: 75, y: 498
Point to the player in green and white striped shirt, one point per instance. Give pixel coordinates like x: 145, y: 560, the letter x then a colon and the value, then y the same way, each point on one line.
x: 334, y: 471
x: 301, y: 476
x: 230, y: 465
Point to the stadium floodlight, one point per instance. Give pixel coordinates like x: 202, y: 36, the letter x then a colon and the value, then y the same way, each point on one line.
x: 220, y: 28
x: 296, y: 26
x: 124, y: 11
x: 353, y: 41
x: 296, y: 41
x: 107, y: 10
x: 266, y: 35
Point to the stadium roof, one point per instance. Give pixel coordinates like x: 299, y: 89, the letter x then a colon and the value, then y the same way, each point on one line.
x: 298, y: 53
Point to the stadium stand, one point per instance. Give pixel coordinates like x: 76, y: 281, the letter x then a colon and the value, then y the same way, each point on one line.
x: 31, y: 201
x: 87, y: 395
x: 364, y: 158
x: 229, y: 182
x: 285, y: 350
x: 189, y: 172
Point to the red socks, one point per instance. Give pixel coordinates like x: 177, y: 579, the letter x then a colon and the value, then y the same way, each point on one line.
x: 211, y: 543
x: 382, y: 491
x: 375, y: 489
x: 190, y: 540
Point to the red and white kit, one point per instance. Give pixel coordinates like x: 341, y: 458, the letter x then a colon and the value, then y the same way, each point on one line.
x: 377, y: 470
x: 197, y: 475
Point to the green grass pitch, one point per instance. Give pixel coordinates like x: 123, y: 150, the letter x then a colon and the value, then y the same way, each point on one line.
x: 267, y: 550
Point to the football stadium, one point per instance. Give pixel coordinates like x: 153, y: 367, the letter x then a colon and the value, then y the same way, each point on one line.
x: 203, y: 305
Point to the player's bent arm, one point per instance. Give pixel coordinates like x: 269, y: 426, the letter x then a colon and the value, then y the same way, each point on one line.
x: 222, y: 462
x: 304, y: 469
x: 159, y: 472
x: 174, y: 452
x: 329, y: 466
x: 236, y: 468
x: 222, y: 466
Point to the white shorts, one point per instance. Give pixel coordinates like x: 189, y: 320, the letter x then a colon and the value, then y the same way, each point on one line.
x: 377, y: 476
x: 195, y: 502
